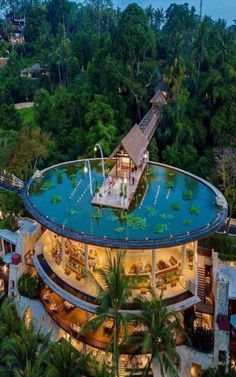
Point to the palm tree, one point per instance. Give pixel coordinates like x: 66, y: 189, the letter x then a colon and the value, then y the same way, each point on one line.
x: 25, y: 353
x: 64, y: 360
x: 99, y: 370
x: 199, y: 50
x: 10, y: 322
x: 158, y: 338
x: 114, y: 290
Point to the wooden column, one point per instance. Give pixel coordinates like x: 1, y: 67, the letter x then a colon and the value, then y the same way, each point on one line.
x: 86, y: 259
x: 154, y: 262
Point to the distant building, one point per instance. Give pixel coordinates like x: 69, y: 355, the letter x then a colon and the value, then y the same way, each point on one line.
x: 16, y: 36
x: 35, y: 71
x: 3, y: 62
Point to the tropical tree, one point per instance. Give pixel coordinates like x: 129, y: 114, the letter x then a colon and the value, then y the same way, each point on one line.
x: 10, y: 321
x: 25, y: 353
x: 64, y: 360
x: 99, y: 369
x: 199, y: 50
x: 100, y: 120
x: 113, y: 286
x: 225, y: 159
x: 12, y: 208
x: 28, y: 285
x: 158, y: 336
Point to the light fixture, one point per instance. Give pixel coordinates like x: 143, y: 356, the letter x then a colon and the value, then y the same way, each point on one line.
x: 95, y: 148
x: 85, y: 169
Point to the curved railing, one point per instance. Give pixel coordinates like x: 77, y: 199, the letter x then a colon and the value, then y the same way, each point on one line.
x: 128, y: 243
x: 84, y: 300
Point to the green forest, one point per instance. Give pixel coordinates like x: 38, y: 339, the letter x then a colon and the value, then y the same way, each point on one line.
x: 103, y: 65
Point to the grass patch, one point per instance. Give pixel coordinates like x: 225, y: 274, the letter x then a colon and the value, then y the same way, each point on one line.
x: 27, y: 116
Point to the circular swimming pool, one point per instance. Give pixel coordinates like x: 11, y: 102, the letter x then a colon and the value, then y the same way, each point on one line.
x: 170, y: 207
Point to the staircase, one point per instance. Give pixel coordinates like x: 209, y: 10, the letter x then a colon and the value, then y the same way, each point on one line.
x: 148, y: 124
x: 182, y: 281
x: 201, y: 283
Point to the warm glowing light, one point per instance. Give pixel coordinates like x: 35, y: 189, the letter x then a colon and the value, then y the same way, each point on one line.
x: 95, y: 149
x: 145, y: 155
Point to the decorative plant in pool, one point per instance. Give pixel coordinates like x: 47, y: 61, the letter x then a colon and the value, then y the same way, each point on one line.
x: 72, y: 211
x: 74, y: 183
x: 136, y: 222
x: 187, y: 195
x: 59, y: 173
x: 187, y: 222
x: 150, y: 211
x: 194, y: 210
x: 175, y: 206
x: 160, y: 228
x: 170, y: 184
x: 47, y: 185
x: 55, y: 199
x: 167, y: 216
x: 120, y: 216
x: 72, y: 176
x: 97, y: 214
x: 119, y: 229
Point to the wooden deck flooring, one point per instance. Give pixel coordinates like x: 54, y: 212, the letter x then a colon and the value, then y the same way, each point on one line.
x: 110, y: 196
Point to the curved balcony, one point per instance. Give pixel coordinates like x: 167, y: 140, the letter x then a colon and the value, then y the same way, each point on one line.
x: 100, y: 338
x: 88, y: 302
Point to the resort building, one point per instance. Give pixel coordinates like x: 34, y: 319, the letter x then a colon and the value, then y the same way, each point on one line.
x: 82, y: 209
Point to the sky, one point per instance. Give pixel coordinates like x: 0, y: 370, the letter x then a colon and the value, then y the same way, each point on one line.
x: 215, y: 8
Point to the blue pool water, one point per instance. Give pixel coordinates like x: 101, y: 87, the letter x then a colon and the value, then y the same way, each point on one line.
x: 158, y: 210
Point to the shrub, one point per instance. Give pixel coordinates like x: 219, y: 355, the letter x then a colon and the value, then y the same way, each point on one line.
x: 224, y: 244
x: 28, y: 285
x: 202, y: 339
